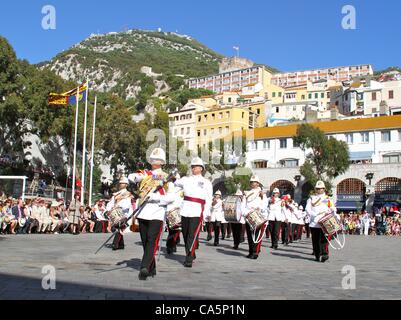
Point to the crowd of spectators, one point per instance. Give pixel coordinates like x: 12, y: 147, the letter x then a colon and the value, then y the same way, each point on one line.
x: 366, y: 224
x: 45, y: 217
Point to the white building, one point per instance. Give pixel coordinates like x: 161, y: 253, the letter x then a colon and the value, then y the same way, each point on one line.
x: 337, y: 74
x: 375, y: 147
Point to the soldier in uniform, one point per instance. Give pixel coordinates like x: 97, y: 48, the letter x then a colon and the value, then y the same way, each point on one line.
x: 276, y: 217
x: 254, y: 200
x: 198, y: 195
x: 122, y: 200
x: 217, y: 216
x: 237, y: 227
x: 317, y: 206
x: 151, y: 218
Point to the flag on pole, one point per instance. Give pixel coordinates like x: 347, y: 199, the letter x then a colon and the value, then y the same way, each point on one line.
x: 69, y: 97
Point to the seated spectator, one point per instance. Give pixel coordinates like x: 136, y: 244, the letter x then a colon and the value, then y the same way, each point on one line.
x: 87, y: 223
x: 9, y: 220
x: 35, y: 216
x: 56, y: 222
x: 19, y: 213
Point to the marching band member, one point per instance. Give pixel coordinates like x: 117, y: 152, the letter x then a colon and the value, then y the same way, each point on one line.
x: 174, y: 235
x: 291, y: 209
x: 237, y: 227
x: 300, y: 215
x: 217, y: 216
x: 306, y: 221
x: 275, y: 216
x: 198, y: 194
x: 285, y: 225
x: 254, y: 200
x: 123, y: 200
x: 151, y: 218
x: 317, y: 206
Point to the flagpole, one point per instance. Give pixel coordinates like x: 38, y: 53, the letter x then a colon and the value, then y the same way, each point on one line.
x: 93, y: 152
x: 84, y: 145
x: 75, y: 147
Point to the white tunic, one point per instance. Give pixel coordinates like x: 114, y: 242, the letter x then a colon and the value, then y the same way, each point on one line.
x: 155, y: 209
x: 217, y: 212
x: 300, y: 215
x: 290, y: 210
x: 195, y: 187
x: 317, y: 207
x: 254, y: 201
x: 240, y: 207
x: 275, y: 210
x: 125, y: 204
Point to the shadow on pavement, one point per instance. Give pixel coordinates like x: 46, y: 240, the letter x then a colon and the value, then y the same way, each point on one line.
x: 26, y: 288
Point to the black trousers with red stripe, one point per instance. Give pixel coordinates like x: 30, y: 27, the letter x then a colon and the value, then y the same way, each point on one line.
x: 217, y: 227
x: 173, y: 238
x: 254, y: 248
x: 189, y: 228
x: 150, y: 232
x: 319, y: 242
x: 285, y: 232
x: 118, y: 242
x: 274, y: 227
x: 236, y: 229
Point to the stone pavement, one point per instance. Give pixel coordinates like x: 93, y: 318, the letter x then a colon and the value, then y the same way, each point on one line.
x: 219, y: 273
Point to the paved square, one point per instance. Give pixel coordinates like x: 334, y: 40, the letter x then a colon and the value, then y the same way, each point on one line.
x: 219, y: 273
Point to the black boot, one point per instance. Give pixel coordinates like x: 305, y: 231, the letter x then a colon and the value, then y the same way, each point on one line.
x: 144, y: 274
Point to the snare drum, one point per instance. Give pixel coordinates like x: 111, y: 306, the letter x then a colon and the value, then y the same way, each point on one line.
x: 115, y: 216
x: 330, y: 225
x: 255, y: 219
x: 174, y: 219
x: 230, y: 210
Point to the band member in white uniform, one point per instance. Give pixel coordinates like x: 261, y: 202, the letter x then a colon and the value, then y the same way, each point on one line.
x: 290, y: 210
x: 123, y: 200
x: 300, y: 215
x: 237, y: 227
x: 217, y: 216
x: 151, y: 218
x: 254, y: 200
x: 307, y: 221
x: 198, y: 196
x: 317, y: 206
x: 276, y: 217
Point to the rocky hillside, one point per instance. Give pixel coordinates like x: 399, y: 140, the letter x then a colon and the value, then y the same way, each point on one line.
x: 115, y: 61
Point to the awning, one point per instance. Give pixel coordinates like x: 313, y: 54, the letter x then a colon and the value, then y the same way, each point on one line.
x: 363, y: 155
x: 349, y: 205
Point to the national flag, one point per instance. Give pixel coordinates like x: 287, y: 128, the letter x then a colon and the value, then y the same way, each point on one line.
x: 236, y: 48
x: 69, y: 97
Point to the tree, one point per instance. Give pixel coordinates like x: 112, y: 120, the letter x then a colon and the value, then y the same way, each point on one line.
x: 327, y: 158
x: 239, y: 179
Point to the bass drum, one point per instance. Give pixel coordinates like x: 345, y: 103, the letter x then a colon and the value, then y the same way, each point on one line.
x: 230, y: 210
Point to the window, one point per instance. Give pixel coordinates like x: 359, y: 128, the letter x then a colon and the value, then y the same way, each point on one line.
x: 280, y: 94
x: 391, y: 94
x: 228, y: 114
x: 386, y: 136
x: 227, y: 129
x: 277, y: 110
x: 394, y: 158
x: 283, y: 143
x: 199, y: 134
x: 258, y: 111
x: 175, y: 132
x: 374, y: 96
x: 205, y: 132
x: 199, y: 119
x: 322, y: 95
x: 289, y: 163
x: 205, y: 118
x: 310, y: 96
x: 316, y: 95
x: 303, y: 97
x: 221, y: 115
x: 220, y: 130
x: 349, y: 138
x: 188, y: 130
x: 243, y: 115
x: 229, y: 100
x: 273, y: 94
x: 365, y: 137
x: 213, y: 116
x: 262, y: 164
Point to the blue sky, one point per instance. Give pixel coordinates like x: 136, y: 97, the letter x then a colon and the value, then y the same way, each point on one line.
x: 286, y: 34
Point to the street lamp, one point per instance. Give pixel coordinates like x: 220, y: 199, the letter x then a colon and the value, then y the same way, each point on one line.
x: 369, y: 177
x: 298, y: 178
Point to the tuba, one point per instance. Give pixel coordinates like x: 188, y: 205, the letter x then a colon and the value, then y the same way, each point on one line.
x: 150, y: 185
